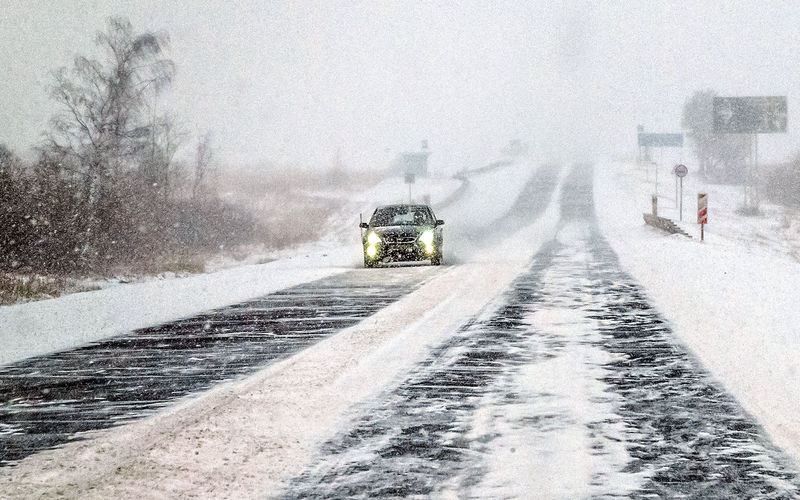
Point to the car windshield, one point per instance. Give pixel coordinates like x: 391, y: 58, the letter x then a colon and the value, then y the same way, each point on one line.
x: 401, y: 215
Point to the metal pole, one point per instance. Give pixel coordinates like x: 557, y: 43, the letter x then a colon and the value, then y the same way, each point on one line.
x: 747, y: 180
x: 676, y: 188
x: 756, y: 198
x: 681, y: 204
x: 655, y: 165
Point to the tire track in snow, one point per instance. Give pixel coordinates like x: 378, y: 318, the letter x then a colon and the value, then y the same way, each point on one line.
x: 462, y: 239
x: 573, y: 387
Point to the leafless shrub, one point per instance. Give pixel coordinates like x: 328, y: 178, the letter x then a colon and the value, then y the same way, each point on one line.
x: 782, y: 183
x: 105, y: 194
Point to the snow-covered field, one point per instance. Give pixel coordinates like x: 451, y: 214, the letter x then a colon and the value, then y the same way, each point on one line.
x: 732, y: 299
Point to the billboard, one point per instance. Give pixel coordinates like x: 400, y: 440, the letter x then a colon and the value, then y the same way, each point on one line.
x: 750, y: 115
x: 661, y: 140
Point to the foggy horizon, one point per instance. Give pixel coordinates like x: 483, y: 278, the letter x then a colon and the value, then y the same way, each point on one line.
x: 297, y: 84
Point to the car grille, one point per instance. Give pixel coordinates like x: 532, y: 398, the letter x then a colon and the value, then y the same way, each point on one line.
x: 399, y: 240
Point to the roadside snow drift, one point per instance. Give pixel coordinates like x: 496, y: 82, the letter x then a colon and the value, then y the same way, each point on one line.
x: 733, y: 301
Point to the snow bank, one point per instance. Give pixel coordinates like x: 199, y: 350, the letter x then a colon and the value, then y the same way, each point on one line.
x: 733, y: 300
x: 490, y: 195
x: 51, y: 325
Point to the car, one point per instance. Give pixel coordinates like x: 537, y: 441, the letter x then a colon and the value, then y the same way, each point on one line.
x: 402, y: 233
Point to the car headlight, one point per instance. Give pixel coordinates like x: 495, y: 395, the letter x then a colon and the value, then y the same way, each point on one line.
x: 426, y: 238
x: 373, y: 238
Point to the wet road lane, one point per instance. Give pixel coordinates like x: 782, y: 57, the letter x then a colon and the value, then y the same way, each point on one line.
x: 45, y: 401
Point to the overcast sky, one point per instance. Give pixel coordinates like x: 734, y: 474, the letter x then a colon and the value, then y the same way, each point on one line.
x: 295, y: 82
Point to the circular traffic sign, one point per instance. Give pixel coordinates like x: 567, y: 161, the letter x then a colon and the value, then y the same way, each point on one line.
x: 680, y: 170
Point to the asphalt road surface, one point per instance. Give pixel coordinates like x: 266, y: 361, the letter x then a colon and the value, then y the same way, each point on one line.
x: 48, y: 400
x: 572, y: 387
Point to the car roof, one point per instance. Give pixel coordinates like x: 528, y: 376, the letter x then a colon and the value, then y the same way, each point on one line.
x: 409, y: 205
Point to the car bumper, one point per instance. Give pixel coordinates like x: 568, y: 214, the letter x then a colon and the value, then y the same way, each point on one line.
x: 400, y: 253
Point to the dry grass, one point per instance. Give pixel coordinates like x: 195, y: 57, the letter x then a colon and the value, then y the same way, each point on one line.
x: 16, y: 288
x: 181, y: 265
x: 280, y: 201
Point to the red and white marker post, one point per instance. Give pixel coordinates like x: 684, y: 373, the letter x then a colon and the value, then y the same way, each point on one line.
x: 702, y: 212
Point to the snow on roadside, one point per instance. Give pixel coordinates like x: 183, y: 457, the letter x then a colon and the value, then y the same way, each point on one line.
x: 733, y: 300
x: 50, y: 325
x: 490, y: 195
x: 770, y: 232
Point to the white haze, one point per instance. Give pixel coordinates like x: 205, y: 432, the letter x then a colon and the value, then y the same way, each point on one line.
x: 295, y: 82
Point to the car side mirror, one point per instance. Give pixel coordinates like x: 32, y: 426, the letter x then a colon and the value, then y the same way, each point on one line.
x: 364, y: 225
x: 439, y: 222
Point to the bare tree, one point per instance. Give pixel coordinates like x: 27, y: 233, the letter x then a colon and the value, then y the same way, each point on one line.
x: 10, y: 166
x: 204, y: 154
x: 722, y: 157
x: 8, y: 159
x: 103, y: 127
x: 159, y: 171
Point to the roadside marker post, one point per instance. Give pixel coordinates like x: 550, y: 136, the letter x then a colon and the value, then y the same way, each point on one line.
x: 702, y: 212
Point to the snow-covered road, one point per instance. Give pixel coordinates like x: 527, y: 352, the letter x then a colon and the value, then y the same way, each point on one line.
x: 48, y: 399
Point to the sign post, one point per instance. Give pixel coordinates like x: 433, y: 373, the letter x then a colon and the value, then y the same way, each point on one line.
x: 410, y: 178
x: 702, y: 212
x: 680, y: 172
x: 661, y: 141
x: 676, y: 188
x: 656, y: 169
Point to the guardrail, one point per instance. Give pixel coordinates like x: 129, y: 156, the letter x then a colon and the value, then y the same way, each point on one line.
x: 664, y: 224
